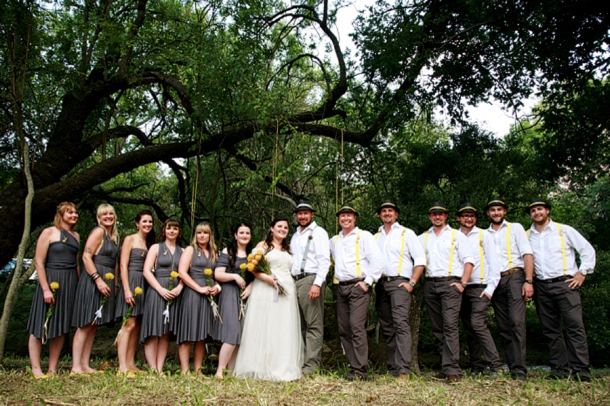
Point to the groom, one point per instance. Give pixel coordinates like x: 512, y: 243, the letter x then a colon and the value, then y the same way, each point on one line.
x: 311, y: 260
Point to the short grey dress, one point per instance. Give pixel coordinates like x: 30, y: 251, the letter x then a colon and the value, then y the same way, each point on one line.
x: 60, y: 267
x: 153, y: 322
x: 88, y: 297
x: 137, y: 256
x: 194, y: 321
x: 229, y: 331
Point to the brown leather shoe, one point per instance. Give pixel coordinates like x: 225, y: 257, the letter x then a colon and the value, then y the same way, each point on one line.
x: 453, y: 379
x: 440, y: 377
x: 404, y: 377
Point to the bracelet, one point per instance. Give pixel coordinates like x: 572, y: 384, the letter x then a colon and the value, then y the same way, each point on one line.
x: 95, y: 275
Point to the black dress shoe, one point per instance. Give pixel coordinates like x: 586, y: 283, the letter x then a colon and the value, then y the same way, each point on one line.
x: 558, y: 374
x: 355, y: 377
x: 518, y: 377
x: 582, y: 377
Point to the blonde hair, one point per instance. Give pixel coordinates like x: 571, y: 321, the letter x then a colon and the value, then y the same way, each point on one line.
x: 62, y: 208
x: 205, y: 226
x: 107, y: 208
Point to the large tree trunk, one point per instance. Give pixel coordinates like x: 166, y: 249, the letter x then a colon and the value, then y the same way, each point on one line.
x: 414, y: 317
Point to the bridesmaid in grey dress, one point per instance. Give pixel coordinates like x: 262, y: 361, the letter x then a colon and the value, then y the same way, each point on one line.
x: 228, y: 273
x: 133, y: 254
x: 97, y: 281
x: 194, y: 322
x: 164, y: 258
x: 56, y: 261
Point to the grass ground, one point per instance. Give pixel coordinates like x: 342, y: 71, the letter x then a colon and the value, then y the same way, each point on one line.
x: 17, y: 387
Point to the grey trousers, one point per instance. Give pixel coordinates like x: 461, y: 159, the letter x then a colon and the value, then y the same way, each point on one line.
x: 312, y: 323
x: 352, y: 308
x: 393, y: 304
x: 444, y: 302
x: 474, y: 319
x: 555, y: 302
x: 509, y: 307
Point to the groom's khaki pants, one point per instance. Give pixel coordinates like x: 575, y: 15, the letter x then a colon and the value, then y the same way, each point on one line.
x: 312, y: 323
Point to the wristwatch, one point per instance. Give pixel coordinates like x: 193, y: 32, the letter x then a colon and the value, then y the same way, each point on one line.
x: 367, y: 285
x: 531, y: 282
x: 464, y: 284
x: 584, y: 272
x: 412, y: 284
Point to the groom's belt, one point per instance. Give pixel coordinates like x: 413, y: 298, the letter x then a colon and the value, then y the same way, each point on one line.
x: 302, y: 275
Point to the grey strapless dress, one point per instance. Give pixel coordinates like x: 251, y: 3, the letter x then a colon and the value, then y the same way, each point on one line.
x: 229, y: 331
x: 137, y: 256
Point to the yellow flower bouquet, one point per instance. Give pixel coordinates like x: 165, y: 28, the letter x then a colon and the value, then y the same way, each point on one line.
x: 54, y: 287
x: 172, y: 277
x: 136, y: 292
x: 208, y: 281
x: 108, y: 277
x: 258, y: 262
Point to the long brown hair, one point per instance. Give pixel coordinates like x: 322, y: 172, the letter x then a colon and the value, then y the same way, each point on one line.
x: 150, y: 237
x: 205, y: 226
x: 107, y: 208
x: 62, y: 208
x: 269, y: 238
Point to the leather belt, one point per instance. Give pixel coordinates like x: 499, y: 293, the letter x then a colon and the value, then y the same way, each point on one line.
x: 443, y: 278
x: 393, y: 278
x: 351, y: 281
x: 302, y: 275
x: 511, y: 271
x: 476, y: 285
x: 553, y: 280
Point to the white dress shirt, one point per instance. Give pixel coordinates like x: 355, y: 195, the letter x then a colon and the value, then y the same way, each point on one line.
x: 548, y: 257
x: 438, y: 252
x: 318, y: 255
x: 393, y: 243
x: 343, y: 250
x: 519, y: 245
x: 491, y: 264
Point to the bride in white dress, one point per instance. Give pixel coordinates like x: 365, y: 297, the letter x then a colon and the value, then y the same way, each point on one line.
x: 271, y: 345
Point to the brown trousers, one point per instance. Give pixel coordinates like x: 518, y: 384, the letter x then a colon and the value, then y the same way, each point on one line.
x: 352, y: 308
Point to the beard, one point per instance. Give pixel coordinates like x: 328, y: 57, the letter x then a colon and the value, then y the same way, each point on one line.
x: 498, y: 221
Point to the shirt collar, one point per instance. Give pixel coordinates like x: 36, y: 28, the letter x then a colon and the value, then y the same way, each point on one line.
x: 475, y: 229
x: 551, y: 226
x: 309, y: 227
x: 355, y: 230
x: 395, y: 226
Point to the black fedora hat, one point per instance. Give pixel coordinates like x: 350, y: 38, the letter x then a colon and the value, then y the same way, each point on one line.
x: 496, y: 201
x: 466, y: 207
x: 538, y: 202
x: 304, y: 205
x: 388, y: 203
x: 437, y: 207
x: 347, y: 208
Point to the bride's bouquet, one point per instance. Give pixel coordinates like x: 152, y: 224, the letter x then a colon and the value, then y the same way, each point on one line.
x: 258, y: 262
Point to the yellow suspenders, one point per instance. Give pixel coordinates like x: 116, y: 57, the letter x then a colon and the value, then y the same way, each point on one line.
x: 357, y: 251
x: 563, y: 247
x: 482, y: 257
x: 510, y: 255
x: 402, y: 246
x: 450, y: 253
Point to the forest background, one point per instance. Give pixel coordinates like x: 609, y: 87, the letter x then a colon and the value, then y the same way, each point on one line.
x: 234, y: 110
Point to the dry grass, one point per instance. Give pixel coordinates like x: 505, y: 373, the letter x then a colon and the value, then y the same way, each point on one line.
x: 18, y: 387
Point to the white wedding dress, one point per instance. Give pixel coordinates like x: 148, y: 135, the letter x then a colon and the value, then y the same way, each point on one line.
x: 272, y: 346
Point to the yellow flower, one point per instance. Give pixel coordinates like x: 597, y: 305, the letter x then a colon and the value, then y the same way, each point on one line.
x: 54, y: 286
x: 109, y: 276
x: 250, y: 267
x: 258, y: 257
x: 243, y: 266
x: 174, y: 274
x: 260, y: 252
x: 208, y: 272
x: 250, y: 256
x: 254, y: 261
x: 137, y: 291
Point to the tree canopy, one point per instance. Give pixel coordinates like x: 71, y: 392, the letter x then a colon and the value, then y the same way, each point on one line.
x: 237, y: 101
